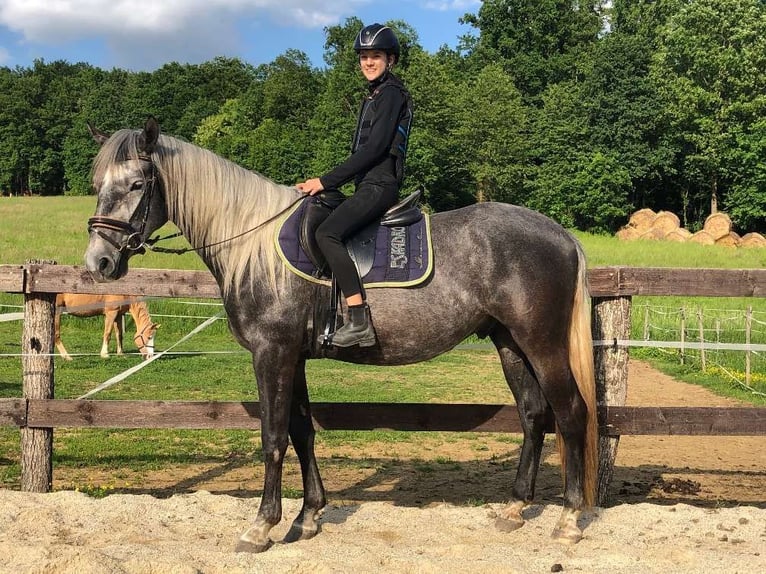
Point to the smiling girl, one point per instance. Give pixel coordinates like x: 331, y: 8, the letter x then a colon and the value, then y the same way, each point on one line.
x: 376, y: 165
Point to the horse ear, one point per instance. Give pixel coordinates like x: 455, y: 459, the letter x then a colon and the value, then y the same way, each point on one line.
x: 97, y: 134
x: 149, y: 136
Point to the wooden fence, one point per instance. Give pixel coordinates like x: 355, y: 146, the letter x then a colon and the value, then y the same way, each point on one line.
x: 612, y: 288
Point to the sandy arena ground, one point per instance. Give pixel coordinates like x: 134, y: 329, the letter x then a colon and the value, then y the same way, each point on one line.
x: 680, y: 504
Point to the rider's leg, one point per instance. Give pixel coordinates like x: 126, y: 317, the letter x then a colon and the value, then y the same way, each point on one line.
x: 366, y: 205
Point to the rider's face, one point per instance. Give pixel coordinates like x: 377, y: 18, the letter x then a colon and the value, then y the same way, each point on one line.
x: 373, y: 63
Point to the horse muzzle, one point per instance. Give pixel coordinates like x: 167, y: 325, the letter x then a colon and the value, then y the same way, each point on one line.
x: 105, y: 265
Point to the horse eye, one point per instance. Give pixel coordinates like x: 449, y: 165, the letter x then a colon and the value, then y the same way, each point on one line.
x: 137, y: 185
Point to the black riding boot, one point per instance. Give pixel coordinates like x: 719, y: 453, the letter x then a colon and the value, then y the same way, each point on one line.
x: 357, y: 330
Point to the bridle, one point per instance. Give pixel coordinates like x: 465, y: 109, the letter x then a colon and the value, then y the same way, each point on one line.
x: 141, y: 339
x: 133, y: 236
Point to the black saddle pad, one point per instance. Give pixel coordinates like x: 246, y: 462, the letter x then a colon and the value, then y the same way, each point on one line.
x: 402, y: 258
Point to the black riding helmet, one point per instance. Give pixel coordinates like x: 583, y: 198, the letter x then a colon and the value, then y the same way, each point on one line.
x: 377, y: 37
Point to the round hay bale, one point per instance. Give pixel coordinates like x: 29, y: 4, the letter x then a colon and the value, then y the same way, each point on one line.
x: 717, y: 225
x: 666, y: 221
x: 730, y: 240
x: 753, y: 239
x: 703, y: 238
x: 680, y: 235
x: 653, y: 234
x: 642, y: 219
x: 628, y: 234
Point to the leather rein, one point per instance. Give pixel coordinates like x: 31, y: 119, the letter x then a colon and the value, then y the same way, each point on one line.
x: 133, y: 236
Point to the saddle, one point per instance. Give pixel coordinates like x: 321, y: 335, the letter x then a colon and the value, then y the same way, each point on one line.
x: 362, y: 246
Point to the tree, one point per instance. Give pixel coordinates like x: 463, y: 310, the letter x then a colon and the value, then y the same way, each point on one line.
x: 711, y: 68
x: 492, y: 131
x: 538, y: 41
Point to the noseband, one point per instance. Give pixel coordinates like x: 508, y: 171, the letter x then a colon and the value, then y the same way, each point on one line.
x: 133, y: 236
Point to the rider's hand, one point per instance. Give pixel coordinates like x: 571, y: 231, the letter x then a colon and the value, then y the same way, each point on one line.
x: 310, y: 186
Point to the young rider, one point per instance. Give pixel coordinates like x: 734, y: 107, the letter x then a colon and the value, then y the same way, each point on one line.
x: 376, y: 165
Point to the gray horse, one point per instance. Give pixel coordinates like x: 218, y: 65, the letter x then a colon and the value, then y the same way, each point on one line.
x: 500, y: 271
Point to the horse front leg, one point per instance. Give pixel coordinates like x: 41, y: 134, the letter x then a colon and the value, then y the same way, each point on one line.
x: 108, y: 325
x: 306, y: 524
x: 274, y: 373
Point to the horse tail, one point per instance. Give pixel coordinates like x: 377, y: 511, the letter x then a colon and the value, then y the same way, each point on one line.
x: 583, y: 370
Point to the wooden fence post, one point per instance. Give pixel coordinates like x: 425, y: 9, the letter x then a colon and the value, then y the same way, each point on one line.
x: 611, y: 323
x: 37, y: 367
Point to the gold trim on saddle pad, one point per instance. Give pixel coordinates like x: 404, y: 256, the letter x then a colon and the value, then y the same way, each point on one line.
x: 327, y: 282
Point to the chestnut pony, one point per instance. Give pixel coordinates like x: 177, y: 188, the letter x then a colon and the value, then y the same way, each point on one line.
x: 113, y: 308
x: 501, y: 271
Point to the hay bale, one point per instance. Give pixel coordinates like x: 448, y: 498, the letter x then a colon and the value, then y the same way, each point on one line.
x: 653, y: 234
x: 642, y: 219
x: 718, y: 225
x: 730, y: 240
x: 680, y: 235
x: 666, y: 221
x: 753, y: 239
x: 703, y: 238
x: 628, y: 234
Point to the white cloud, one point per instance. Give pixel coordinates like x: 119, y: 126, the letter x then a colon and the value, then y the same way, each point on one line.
x: 63, y: 20
x: 451, y: 5
x: 144, y: 33
x: 5, y: 56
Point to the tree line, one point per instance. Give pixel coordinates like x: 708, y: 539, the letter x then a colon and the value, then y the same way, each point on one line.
x: 585, y: 111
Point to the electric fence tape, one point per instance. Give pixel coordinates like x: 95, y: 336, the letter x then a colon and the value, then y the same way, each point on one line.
x: 125, y: 374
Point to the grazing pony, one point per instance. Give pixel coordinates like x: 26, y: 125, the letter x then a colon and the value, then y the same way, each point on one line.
x: 113, y: 308
x: 500, y: 271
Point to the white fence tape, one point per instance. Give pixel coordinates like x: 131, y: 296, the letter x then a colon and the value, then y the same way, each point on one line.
x: 125, y: 374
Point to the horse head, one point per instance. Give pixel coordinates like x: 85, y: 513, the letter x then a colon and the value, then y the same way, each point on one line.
x: 144, y: 340
x: 130, y: 205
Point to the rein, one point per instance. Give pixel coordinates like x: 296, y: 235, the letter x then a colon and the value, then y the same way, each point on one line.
x: 149, y: 243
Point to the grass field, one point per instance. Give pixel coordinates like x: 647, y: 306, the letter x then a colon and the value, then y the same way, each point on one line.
x: 211, y: 366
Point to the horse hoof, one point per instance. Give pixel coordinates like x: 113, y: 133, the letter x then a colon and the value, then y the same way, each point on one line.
x: 300, y: 532
x: 569, y: 535
x: 251, y: 547
x: 508, y: 524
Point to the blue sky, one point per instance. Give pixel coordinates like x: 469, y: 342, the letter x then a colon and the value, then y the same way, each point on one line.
x: 145, y: 34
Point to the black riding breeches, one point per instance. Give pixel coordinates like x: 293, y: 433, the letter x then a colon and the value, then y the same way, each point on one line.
x: 368, y: 203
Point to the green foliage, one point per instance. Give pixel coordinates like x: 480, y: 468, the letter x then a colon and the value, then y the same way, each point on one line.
x: 492, y: 121
x: 585, y: 111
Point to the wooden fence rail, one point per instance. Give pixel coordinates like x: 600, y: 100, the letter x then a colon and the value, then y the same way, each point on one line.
x: 612, y: 288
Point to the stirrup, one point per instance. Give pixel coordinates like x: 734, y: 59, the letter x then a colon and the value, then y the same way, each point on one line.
x: 331, y: 325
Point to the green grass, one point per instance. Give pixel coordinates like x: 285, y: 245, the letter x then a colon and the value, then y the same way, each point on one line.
x: 212, y: 366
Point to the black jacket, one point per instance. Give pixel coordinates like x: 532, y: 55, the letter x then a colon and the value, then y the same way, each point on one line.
x: 377, y: 148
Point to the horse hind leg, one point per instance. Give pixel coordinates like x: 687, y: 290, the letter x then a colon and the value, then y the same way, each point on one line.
x: 534, y: 414
x: 119, y: 331
x: 301, y: 429
x: 571, y: 414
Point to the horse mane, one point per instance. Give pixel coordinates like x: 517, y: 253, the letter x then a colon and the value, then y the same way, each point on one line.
x: 212, y: 199
x: 139, y: 310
